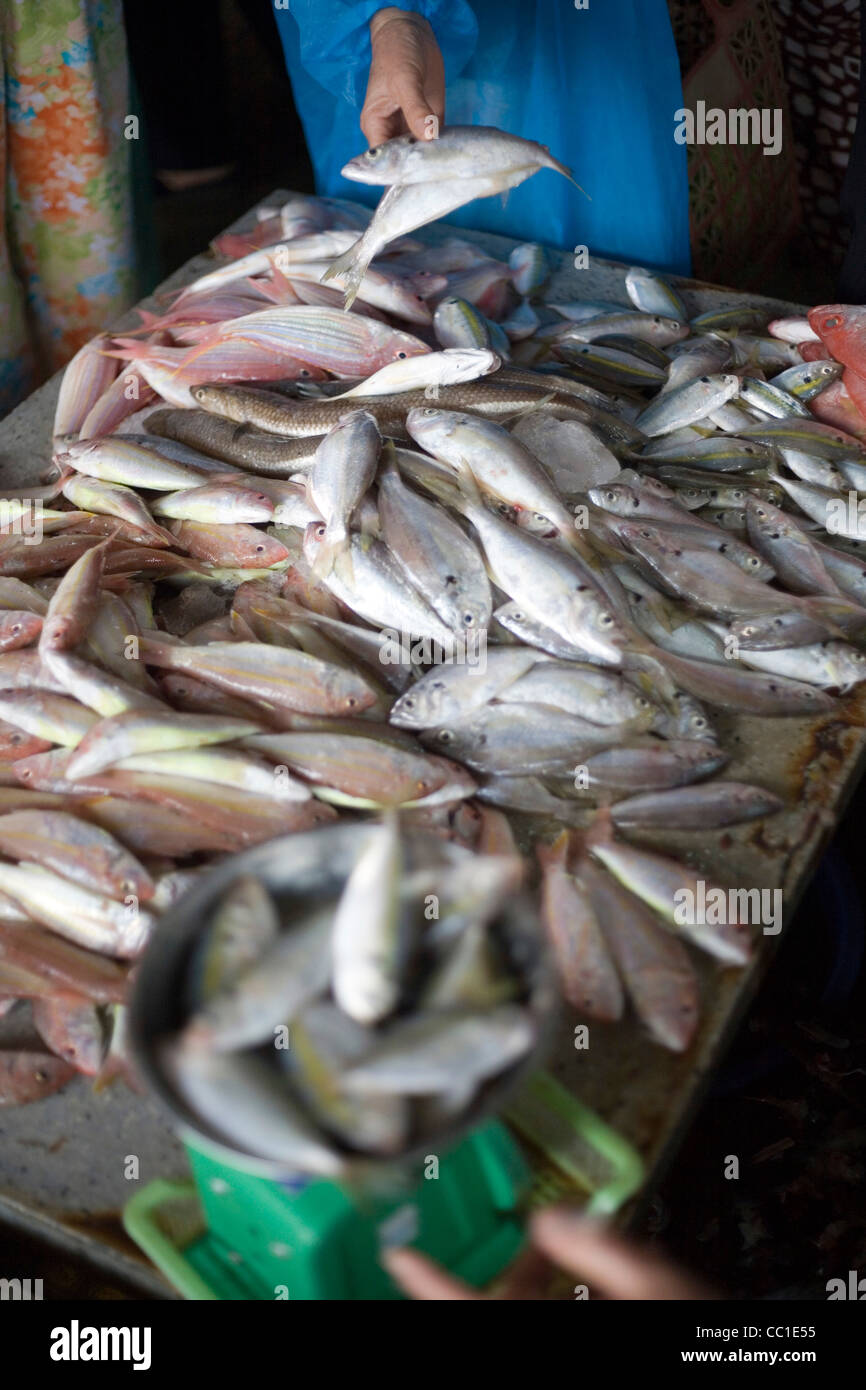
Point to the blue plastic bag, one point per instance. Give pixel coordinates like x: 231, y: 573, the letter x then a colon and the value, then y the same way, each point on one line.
x: 599, y: 86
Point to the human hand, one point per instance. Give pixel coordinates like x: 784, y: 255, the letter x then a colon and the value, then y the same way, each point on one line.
x: 406, y: 86
x: 564, y: 1238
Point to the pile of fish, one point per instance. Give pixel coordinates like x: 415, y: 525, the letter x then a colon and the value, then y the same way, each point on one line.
x: 360, y: 1020
x: 466, y: 550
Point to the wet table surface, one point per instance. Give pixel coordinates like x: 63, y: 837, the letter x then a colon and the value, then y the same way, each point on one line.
x: 65, y: 1163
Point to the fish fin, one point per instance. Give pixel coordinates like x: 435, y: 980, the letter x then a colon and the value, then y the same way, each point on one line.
x: 559, y: 168
x: 527, y: 410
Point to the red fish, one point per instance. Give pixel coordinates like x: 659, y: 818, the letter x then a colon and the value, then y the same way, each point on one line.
x: 842, y: 329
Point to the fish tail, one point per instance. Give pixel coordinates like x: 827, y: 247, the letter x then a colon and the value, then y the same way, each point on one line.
x: 555, y: 853
x: 601, y: 830
x: 352, y: 267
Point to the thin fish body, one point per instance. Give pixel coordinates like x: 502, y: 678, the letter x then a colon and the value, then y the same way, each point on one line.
x: 591, y: 692
x: 688, y: 404
x: 552, y: 587
x: 216, y: 503
x: 499, y: 463
x: 136, y: 732
x: 587, y: 973
x: 322, y: 338
x: 343, y: 469
x: 658, y: 975
x: 85, y: 378
x: 437, y: 557
x: 236, y: 444
x: 404, y: 207
x: 225, y: 766
x: 425, y: 1054
x: 520, y: 739
x: 653, y: 766
x: 789, y: 550
x: 229, y: 544
x: 244, y: 1102
x: 91, y: 920
x: 451, y: 367
x: 659, y: 882
x: 725, y: 685
x: 367, y: 943
x: 369, y: 581
x: 652, y: 294
x: 119, y: 461
x: 290, y: 973
x: 366, y: 770
x: 453, y: 692
x: 75, y: 850
x: 244, y: 925
x: 457, y: 153
x: 705, y: 806
x: 280, y: 677
x: 36, y: 963
x: 93, y: 687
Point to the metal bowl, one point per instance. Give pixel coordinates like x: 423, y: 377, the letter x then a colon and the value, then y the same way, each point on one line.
x: 304, y: 867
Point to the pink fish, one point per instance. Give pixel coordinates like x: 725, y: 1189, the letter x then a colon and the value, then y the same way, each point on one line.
x: 127, y: 394
x: 236, y: 544
x: 86, y: 378
x: 28, y: 1076
x: 18, y: 629
x: 837, y: 405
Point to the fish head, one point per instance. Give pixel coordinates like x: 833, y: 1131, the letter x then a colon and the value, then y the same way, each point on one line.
x: 603, y: 633
x: 834, y: 322
x: 398, y: 345
x: 615, y: 497
x: 431, y: 427
x: 381, y: 163
x: 419, y: 707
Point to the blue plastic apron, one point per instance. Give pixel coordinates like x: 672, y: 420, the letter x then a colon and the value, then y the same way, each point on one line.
x: 600, y: 86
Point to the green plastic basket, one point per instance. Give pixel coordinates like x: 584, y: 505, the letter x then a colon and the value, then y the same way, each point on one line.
x: 229, y: 1234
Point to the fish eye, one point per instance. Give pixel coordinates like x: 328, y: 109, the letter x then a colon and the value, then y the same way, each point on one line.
x: 832, y: 322
x: 351, y: 701
x: 15, y: 629
x: 605, y: 620
x: 304, y: 372
x: 400, y: 355
x: 371, y: 153
x: 320, y: 531
x: 445, y: 736
x: 409, y: 701
x: 468, y: 619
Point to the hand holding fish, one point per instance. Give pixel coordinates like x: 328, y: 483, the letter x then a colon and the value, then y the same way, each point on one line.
x: 406, y: 86
x: 583, y: 1248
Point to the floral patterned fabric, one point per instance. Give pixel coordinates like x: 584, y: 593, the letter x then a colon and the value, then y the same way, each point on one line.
x: 67, y: 247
